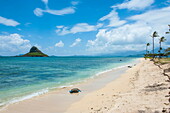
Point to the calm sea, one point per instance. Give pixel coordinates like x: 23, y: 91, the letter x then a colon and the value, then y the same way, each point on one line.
x: 24, y: 77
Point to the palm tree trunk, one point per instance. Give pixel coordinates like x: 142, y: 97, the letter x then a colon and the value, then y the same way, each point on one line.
x: 153, y: 45
x: 160, y: 51
x: 160, y: 47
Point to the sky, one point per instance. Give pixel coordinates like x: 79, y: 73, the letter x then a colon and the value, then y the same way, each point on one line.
x: 82, y: 27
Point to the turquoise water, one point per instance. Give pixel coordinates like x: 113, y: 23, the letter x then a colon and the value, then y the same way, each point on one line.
x: 24, y: 77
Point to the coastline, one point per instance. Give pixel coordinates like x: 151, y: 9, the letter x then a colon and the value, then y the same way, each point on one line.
x: 63, y: 95
x: 142, y: 89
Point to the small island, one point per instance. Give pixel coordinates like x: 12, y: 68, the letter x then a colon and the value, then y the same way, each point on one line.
x: 34, y: 52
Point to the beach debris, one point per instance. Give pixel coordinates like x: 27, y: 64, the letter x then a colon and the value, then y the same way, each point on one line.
x: 164, y: 110
x: 166, y: 104
x: 166, y: 70
x: 151, y: 60
x: 155, y: 85
x: 156, y: 112
x: 167, y: 95
x: 129, y: 66
x: 75, y: 90
x: 141, y: 111
x: 167, y: 81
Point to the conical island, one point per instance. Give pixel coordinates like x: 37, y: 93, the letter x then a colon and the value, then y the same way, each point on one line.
x: 34, y: 52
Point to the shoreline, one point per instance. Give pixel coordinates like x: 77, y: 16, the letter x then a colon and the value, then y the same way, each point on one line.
x: 142, y: 89
x: 63, y: 91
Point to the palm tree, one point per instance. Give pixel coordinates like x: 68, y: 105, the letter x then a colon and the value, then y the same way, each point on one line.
x: 168, y: 31
x: 162, y: 39
x: 167, y: 51
x: 155, y: 34
x: 148, y: 44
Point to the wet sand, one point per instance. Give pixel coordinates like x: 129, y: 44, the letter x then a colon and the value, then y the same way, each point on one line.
x: 142, y: 89
x: 59, y: 101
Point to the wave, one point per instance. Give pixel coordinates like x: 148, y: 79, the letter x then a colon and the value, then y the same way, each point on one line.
x: 115, y: 68
x: 19, y: 99
x: 35, y: 94
x: 43, y: 91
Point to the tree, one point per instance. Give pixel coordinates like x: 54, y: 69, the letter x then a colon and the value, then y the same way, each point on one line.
x: 167, y: 51
x: 162, y: 39
x: 168, y: 31
x: 155, y: 34
x: 148, y: 44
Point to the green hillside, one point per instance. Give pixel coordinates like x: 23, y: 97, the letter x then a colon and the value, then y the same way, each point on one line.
x: 34, y: 52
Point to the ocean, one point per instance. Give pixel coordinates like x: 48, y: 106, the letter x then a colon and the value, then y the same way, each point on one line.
x: 25, y: 77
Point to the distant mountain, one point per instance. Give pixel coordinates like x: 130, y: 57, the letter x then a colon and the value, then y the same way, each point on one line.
x: 130, y: 53
x: 125, y: 54
x: 34, y: 52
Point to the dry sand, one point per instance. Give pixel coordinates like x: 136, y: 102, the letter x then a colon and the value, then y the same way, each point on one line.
x: 142, y: 89
x: 59, y: 100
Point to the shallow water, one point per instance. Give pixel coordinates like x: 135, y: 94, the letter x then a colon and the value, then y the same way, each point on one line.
x: 24, y: 77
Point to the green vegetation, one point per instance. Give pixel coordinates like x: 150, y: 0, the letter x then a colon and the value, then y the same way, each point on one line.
x: 155, y: 55
x: 162, y: 60
x: 148, y: 44
x: 160, y: 54
x: 167, y: 51
x: 155, y: 34
x: 162, y: 39
x: 168, y: 31
x: 34, y: 52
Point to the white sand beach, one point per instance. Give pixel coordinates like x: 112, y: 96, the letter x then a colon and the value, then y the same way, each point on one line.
x: 84, y: 56
x: 141, y: 88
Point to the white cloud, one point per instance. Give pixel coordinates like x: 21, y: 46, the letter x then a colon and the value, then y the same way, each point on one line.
x: 59, y: 44
x: 132, y: 36
x: 8, y: 22
x: 59, y: 27
x: 68, y: 10
x: 153, y: 16
x: 27, y: 24
x: 40, y: 12
x: 114, y: 19
x: 77, y: 41
x: 124, y: 37
x: 45, y: 1
x: 19, y: 29
x: 134, y: 4
x: 74, y: 3
x: 4, y: 33
x: 13, y: 44
x: 167, y: 3
x: 158, y: 19
x: 80, y: 27
x: 38, y: 46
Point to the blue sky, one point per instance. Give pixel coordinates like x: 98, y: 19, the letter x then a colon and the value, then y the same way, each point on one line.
x: 81, y: 27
